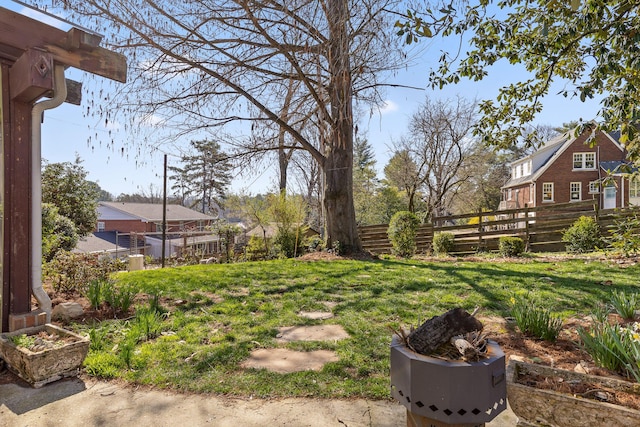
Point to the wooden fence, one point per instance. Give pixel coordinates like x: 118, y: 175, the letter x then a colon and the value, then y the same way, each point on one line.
x: 541, y: 228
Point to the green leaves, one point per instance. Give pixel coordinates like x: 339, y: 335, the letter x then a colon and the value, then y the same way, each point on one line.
x: 593, y: 45
x: 413, y: 28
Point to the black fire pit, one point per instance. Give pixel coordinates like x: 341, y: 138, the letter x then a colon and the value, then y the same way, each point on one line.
x: 448, y: 392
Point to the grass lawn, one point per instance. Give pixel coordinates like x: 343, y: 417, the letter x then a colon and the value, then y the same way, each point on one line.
x: 213, y: 316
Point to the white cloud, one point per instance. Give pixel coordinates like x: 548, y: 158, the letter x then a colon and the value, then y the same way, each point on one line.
x: 150, y: 120
x: 388, y: 107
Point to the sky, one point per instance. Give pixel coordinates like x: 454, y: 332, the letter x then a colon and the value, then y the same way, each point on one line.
x: 68, y: 132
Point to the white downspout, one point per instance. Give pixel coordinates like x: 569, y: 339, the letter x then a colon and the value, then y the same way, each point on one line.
x: 59, y: 96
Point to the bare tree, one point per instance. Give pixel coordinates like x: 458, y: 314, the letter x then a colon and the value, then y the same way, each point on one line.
x: 403, y: 172
x: 436, y: 148
x: 201, y: 64
x: 308, y: 181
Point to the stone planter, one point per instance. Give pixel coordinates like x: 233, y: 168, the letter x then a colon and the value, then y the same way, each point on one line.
x: 536, y: 407
x: 439, y: 392
x: 42, y: 367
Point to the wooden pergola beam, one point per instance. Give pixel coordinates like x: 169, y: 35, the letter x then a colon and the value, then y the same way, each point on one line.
x: 30, y: 50
x: 75, y: 48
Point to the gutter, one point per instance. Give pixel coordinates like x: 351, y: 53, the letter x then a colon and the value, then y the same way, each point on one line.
x: 59, y: 96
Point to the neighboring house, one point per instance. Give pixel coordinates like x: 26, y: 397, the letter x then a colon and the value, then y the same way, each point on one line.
x: 271, y: 229
x: 147, y: 218
x: 103, y: 244
x: 137, y: 227
x: 568, y: 169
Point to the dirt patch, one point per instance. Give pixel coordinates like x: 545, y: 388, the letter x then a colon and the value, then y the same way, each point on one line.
x: 312, y: 333
x: 585, y: 390
x: 283, y: 361
x: 565, y: 353
x: 331, y: 256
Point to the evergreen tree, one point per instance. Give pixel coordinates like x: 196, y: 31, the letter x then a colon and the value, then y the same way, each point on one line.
x: 204, y: 177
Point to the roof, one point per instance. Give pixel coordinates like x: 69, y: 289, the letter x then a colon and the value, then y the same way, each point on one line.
x: 548, y: 150
x: 150, y: 212
x: 190, y: 240
x: 552, y: 149
x: 618, y: 167
x: 98, y: 242
x: 271, y: 229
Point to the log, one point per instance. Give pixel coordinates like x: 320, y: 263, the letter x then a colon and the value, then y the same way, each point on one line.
x: 440, y: 329
x: 465, y: 348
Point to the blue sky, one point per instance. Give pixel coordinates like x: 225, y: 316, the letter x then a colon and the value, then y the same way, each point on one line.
x: 66, y: 131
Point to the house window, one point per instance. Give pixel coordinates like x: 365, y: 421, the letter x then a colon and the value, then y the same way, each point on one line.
x: 584, y: 161
x: 509, y: 195
x: 575, y: 191
x: 634, y: 187
x: 100, y: 226
x: 594, y: 187
x: 547, y: 191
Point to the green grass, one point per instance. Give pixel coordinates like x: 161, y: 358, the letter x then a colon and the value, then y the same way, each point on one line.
x: 229, y: 310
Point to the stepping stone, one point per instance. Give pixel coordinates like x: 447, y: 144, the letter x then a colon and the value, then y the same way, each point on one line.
x: 312, y: 333
x: 283, y: 361
x: 316, y: 315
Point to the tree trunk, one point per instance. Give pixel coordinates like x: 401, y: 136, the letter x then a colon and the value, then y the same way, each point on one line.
x: 339, y: 211
x: 340, y: 223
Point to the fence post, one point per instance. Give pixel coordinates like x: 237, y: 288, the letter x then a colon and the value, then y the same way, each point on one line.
x: 527, y: 245
x: 480, y: 240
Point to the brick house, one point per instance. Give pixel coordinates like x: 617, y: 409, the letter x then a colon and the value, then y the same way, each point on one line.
x: 147, y: 218
x: 136, y: 228
x: 569, y: 168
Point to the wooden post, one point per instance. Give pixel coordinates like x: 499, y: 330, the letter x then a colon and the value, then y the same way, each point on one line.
x: 527, y: 241
x: 480, y: 240
x: 17, y: 237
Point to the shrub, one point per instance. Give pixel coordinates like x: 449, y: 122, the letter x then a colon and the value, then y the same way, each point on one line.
x: 257, y: 248
x: 510, y: 246
x: 583, y: 235
x: 58, y: 232
x: 315, y: 243
x: 290, y: 242
x: 443, y: 243
x: 625, y: 235
x: 402, y: 233
x: 536, y: 321
x: 72, y: 272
